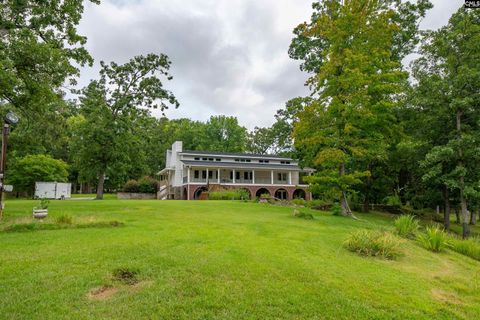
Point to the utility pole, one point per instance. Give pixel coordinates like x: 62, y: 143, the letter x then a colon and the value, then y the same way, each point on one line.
x: 9, y: 119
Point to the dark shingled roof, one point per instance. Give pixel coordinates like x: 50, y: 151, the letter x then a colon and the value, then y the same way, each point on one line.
x: 243, y: 155
x: 246, y: 165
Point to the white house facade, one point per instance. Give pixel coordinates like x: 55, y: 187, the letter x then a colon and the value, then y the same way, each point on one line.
x: 189, y: 173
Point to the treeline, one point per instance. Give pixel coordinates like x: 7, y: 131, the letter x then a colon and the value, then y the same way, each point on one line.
x: 378, y: 132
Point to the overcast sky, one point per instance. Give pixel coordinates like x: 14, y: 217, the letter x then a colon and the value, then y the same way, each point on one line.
x: 229, y: 56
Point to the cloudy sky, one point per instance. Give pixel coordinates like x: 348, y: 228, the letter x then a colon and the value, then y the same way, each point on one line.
x: 229, y: 56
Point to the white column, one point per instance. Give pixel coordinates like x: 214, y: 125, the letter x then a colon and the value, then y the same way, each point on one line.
x: 290, y: 177
x: 253, y: 176
x: 271, y: 176
x: 233, y: 175
x: 188, y: 174
x: 218, y: 176
x: 207, y: 175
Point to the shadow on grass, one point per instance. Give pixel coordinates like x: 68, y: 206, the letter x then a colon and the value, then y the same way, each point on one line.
x: 37, y: 226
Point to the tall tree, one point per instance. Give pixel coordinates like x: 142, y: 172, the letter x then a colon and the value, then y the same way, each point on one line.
x: 223, y: 133
x: 39, y: 46
x: 450, y: 67
x: 110, y: 109
x: 354, y: 49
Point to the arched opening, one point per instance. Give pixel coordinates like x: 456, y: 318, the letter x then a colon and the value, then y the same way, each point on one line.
x: 199, y: 192
x: 281, y: 194
x: 261, y: 191
x: 299, y: 194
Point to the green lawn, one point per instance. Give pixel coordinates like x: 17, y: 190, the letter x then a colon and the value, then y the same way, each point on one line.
x: 221, y: 260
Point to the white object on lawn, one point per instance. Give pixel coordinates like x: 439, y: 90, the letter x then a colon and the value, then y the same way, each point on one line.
x: 40, y: 213
x: 53, y: 190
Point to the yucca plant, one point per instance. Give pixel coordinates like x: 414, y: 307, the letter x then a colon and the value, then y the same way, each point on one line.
x: 433, y: 239
x: 374, y: 244
x: 406, y: 226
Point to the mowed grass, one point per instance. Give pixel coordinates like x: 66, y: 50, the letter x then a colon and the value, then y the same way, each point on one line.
x: 222, y: 260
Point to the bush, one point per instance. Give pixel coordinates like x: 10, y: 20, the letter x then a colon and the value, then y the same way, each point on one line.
x: 373, y: 244
x: 469, y: 247
x: 299, y: 202
x: 336, y: 210
x: 406, y: 226
x: 147, y: 185
x: 434, y: 239
x: 393, y: 200
x: 229, y: 194
x: 300, y: 214
x: 131, y: 186
x: 64, y: 219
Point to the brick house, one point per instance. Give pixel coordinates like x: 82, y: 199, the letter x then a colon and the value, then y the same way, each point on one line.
x: 189, y: 173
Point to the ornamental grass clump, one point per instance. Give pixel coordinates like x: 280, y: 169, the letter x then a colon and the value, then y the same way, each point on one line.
x: 406, y: 226
x: 469, y: 247
x: 433, y: 239
x: 374, y: 244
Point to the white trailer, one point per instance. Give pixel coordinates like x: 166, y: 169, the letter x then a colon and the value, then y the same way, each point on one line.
x: 53, y: 190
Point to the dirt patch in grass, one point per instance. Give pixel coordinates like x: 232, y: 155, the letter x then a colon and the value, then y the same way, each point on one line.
x: 125, y: 276
x: 102, y: 293
x: 446, y: 297
x: 121, y: 279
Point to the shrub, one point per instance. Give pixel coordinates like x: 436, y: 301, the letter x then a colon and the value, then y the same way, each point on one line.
x: 433, y: 239
x: 131, y: 186
x: 147, y: 185
x: 64, y: 219
x: 300, y: 214
x: 299, y: 202
x: 229, y: 194
x: 336, y: 210
x: 373, y: 244
x: 393, y: 200
x: 406, y: 226
x: 469, y: 247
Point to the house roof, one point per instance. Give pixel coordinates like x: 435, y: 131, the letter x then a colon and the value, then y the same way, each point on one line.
x: 243, y: 165
x: 232, y: 154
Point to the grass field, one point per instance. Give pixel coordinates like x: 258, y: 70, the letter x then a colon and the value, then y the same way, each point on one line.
x: 220, y: 260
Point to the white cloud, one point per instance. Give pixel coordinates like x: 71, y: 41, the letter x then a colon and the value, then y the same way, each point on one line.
x: 229, y: 56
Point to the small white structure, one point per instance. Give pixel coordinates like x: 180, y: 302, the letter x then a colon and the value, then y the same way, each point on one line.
x: 53, y: 190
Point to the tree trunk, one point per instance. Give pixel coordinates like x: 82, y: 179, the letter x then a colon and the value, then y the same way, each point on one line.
x: 463, y: 200
x: 343, y: 200
x: 101, y: 182
x: 446, y: 212
x: 368, y: 184
x: 465, y: 227
x: 473, y: 218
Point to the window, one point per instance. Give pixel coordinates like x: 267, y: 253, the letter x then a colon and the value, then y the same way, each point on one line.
x: 218, y: 159
x: 248, y: 160
x: 282, y: 177
x: 210, y: 159
x: 264, y: 161
x: 196, y: 174
x: 237, y: 160
x: 204, y: 159
x: 196, y: 158
x: 204, y: 174
x: 237, y: 175
x: 247, y: 175
x: 231, y: 175
x: 210, y: 174
x: 285, y: 162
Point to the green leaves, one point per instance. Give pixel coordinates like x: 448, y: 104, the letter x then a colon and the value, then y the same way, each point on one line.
x: 24, y: 172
